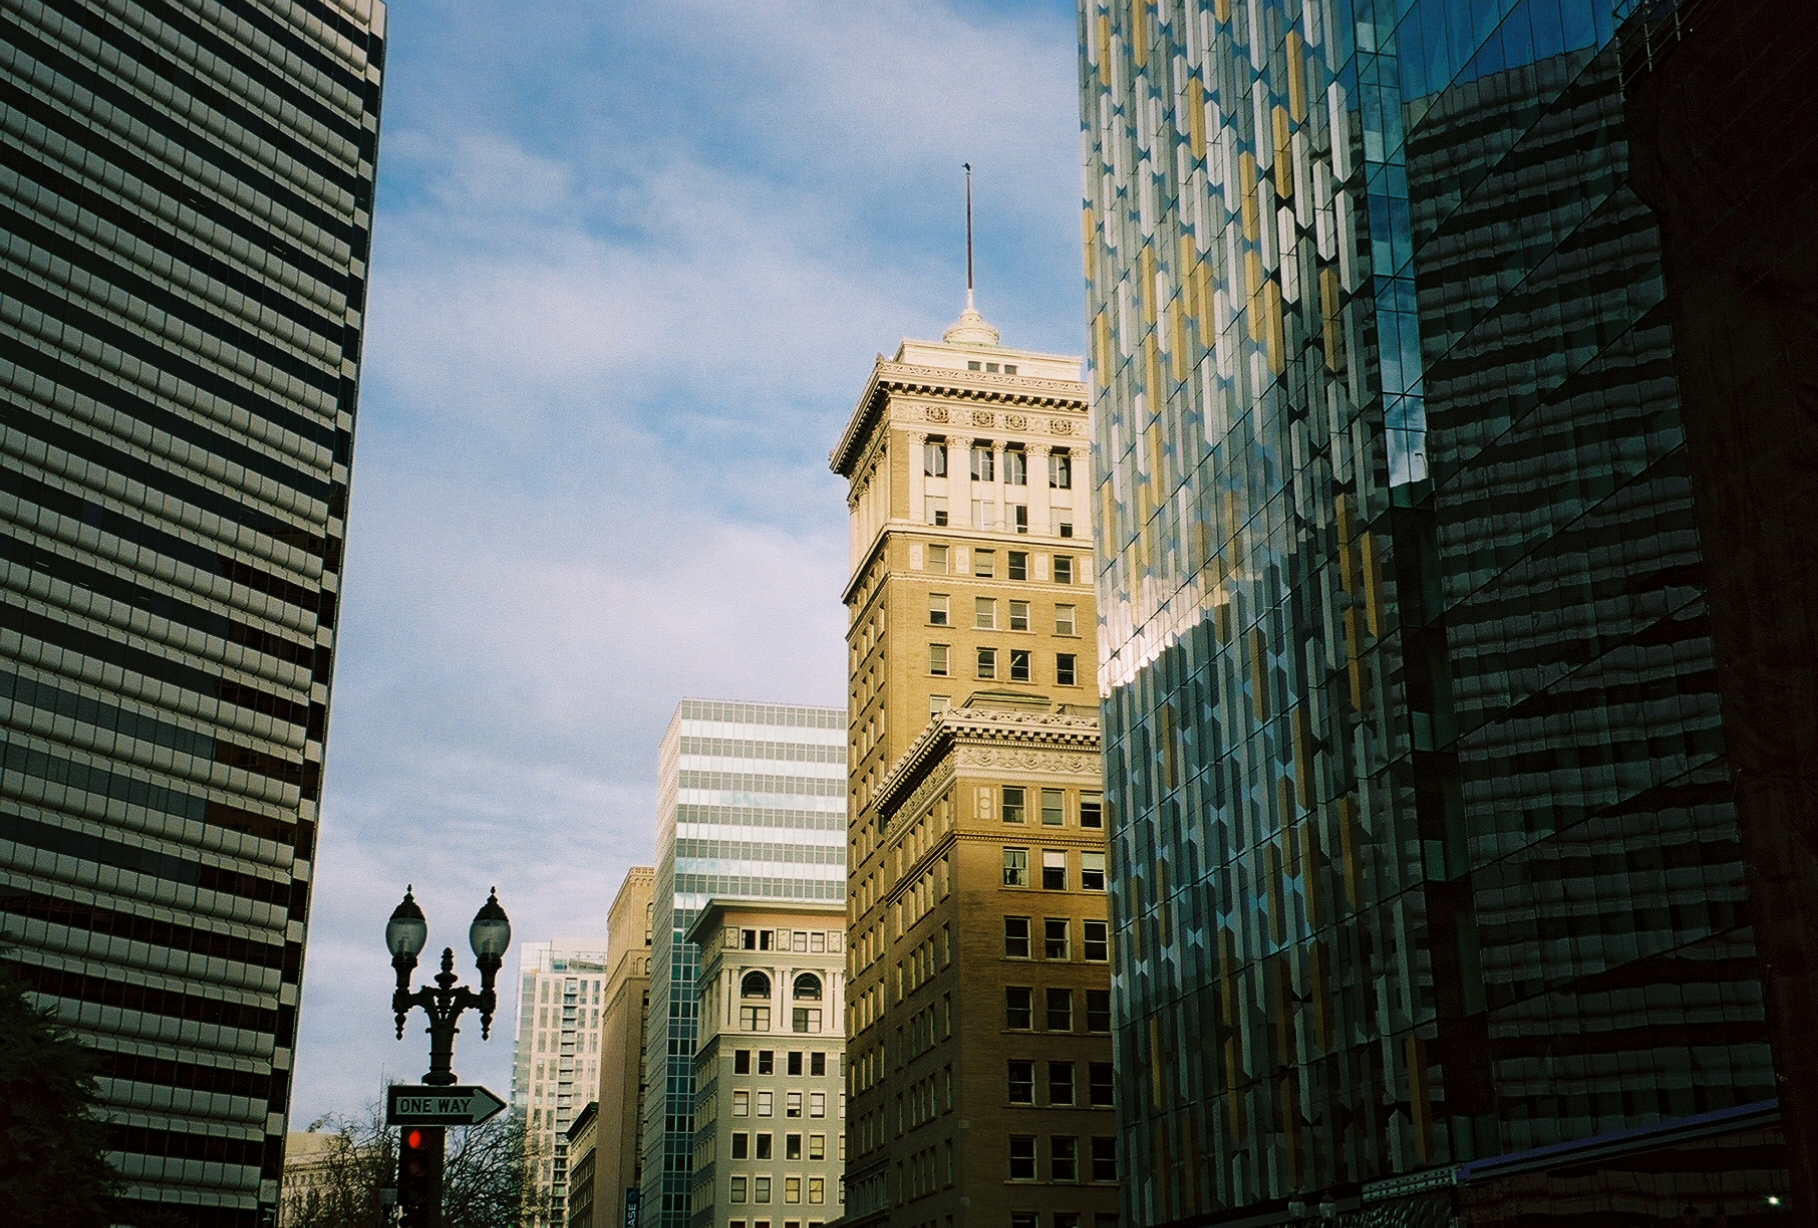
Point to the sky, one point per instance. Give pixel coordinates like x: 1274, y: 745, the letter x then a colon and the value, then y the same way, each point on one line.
x: 631, y: 267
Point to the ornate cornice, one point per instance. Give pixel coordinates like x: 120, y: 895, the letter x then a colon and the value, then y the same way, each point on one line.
x: 898, y: 378
x: 988, y: 737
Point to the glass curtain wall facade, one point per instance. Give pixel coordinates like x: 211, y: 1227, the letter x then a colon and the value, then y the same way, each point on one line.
x: 185, y: 218
x: 751, y: 804
x: 1424, y: 837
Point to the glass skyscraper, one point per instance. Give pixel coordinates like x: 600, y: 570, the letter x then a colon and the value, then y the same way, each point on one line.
x: 1425, y: 839
x: 185, y: 207
x: 751, y: 804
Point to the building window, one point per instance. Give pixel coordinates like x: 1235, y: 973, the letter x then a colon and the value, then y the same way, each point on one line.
x: 766, y: 1061
x: 939, y: 608
x: 1019, y: 616
x: 937, y: 660
x: 741, y: 1061
x: 817, y: 1189
x: 754, y: 1018
x: 741, y: 1104
x: 1016, y: 467
x: 1019, y: 516
x: 1019, y: 1011
x: 1063, y: 569
x: 1025, y: 1219
x: 1091, y: 810
x: 741, y: 1145
x: 1104, y: 1159
x: 808, y: 988
x: 817, y: 1104
x: 817, y: 1063
x: 766, y: 1104
x: 1098, y: 1010
x: 984, y: 465
x: 738, y: 1189
x: 1092, y: 871
x: 792, y: 1107
x: 1060, y: 1082
x: 1019, y: 565
x: 765, y: 1150
x: 1016, y: 937
x: 760, y: 1189
x: 792, y: 1189
x: 987, y: 663
x: 1066, y: 620
x: 1060, y: 1010
x: 1103, y: 1085
x: 1016, y: 867
x: 1022, y: 1082
x: 754, y: 985
x: 1066, y: 669
x: 1063, y: 521
x: 1097, y: 941
x: 1022, y: 1157
x: 817, y: 1146
x: 937, y: 560
x: 1019, y: 665
x: 1063, y: 1158
x: 1054, y: 807
x: 795, y: 1061
x: 1060, y: 470
x: 1054, y: 869
x: 934, y: 508
x: 1015, y: 803
x: 938, y: 704
x: 805, y: 1019
x: 1057, y: 938
x: 934, y: 457
x: 984, y: 614
x: 984, y: 514
x: 984, y: 562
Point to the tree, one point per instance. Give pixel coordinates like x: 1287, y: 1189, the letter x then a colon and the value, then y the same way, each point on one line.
x: 53, y: 1143
x: 482, y: 1182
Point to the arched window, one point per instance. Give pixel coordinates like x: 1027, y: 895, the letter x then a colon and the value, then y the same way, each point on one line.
x: 755, y: 985
x: 808, y: 987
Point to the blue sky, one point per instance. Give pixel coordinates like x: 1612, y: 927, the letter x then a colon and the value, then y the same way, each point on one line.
x: 630, y: 269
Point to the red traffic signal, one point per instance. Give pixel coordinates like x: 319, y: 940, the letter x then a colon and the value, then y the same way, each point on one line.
x: 420, y: 1176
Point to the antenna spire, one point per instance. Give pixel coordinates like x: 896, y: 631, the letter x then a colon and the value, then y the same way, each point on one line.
x: 968, y: 167
x: 970, y: 328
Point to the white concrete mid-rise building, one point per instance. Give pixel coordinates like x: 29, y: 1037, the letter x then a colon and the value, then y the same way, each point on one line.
x: 770, y: 1106
x: 556, y: 1059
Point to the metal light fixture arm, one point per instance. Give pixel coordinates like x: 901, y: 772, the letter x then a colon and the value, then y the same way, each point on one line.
x: 444, y: 1001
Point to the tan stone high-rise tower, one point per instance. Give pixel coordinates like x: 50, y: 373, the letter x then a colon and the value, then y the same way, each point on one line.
x: 978, y: 1060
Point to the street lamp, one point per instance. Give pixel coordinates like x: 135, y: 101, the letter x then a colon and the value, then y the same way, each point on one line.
x: 405, y: 935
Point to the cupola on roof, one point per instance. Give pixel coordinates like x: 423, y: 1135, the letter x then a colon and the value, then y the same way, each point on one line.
x: 970, y: 328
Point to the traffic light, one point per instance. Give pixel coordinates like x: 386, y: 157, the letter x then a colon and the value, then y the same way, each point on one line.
x: 420, y: 1176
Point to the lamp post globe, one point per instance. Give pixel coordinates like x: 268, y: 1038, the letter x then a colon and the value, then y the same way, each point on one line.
x: 490, y: 932
x: 407, y: 932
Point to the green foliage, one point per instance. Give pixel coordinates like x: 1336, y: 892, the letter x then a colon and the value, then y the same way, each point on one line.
x: 53, y: 1162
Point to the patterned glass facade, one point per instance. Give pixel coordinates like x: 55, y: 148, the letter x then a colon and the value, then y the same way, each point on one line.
x: 1424, y: 836
x: 185, y: 217
x: 751, y: 803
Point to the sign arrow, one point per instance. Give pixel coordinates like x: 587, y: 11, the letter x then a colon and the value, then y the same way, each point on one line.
x: 408, y: 1104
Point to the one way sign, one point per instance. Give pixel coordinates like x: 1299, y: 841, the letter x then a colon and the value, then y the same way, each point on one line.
x: 415, y: 1105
